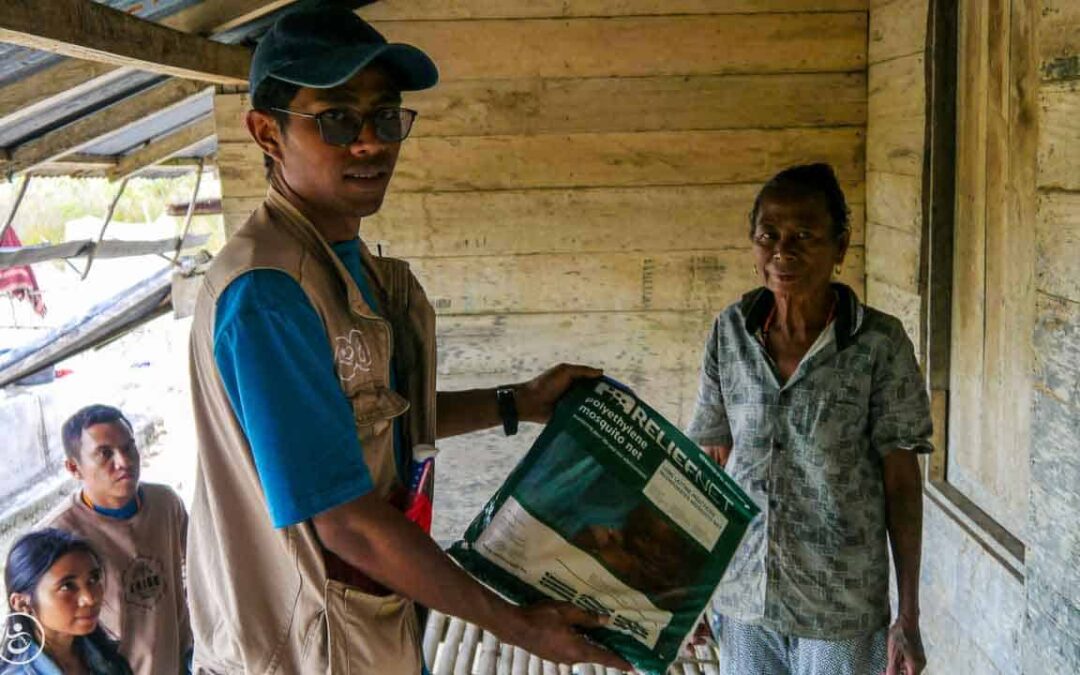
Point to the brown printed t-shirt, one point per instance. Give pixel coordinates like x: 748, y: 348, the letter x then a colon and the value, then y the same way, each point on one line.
x: 145, y: 605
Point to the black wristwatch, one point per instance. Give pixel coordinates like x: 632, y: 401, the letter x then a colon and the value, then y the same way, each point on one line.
x: 508, y: 411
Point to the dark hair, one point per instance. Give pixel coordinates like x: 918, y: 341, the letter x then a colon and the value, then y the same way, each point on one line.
x: 33, y: 555
x: 274, y: 93
x: 807, y: 180
x: 71, y: 433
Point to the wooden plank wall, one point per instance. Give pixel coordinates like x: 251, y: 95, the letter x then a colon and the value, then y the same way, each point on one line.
x: 994, y: 260
x: 577, y: 185
x: 1016, y: 325
x: 1052, y: 631
x: 993, y: 293
x: 894, y: 158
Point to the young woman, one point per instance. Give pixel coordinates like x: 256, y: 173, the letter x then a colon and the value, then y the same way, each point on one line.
x: 56, y: 579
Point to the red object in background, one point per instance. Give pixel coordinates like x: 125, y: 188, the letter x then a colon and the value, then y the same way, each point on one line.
x: 20, y: 280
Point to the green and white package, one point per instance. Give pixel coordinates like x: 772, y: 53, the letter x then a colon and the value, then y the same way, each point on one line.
x: 614, y: 510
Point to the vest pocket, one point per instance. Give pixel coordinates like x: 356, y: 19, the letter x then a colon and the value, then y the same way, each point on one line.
x: 371, y: 634
x: 371, y: 406
x: 374, y: 411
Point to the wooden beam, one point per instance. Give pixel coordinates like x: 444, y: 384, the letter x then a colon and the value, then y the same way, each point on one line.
x: 30, y: 95
x: 77, y: 163
x: 91, y: 31
x: 143, y: 301
x: 468, y: 10
x: 88, y: 159
x: 163, y: 148
x: 211, y: 206
x: 86, y: 166
x: 109, y: 248
x: 207, y: 18
x: 100, y: 124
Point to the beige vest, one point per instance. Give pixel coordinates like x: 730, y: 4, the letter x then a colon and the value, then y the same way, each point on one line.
x: 261, y: 600
x: 144, y: 605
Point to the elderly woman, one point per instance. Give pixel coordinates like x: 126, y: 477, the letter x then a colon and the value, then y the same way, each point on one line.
x: 814, y: 404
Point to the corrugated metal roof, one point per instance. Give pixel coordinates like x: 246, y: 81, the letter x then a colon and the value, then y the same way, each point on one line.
x: 147, y: 130
x: 68, y: 109
x: 18, y: 63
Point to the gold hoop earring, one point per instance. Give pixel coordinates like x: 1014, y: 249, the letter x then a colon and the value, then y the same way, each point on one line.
x: 837, y: 270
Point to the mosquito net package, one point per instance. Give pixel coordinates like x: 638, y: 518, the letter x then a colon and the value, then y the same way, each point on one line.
x: 614, y: 510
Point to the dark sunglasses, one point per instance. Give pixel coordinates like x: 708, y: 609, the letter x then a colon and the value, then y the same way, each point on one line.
x: 342, y: 127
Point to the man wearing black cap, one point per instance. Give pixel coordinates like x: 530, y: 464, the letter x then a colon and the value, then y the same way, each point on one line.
x: 313, y: 378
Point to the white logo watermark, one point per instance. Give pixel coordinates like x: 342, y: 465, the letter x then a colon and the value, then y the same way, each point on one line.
x: 18, y: 639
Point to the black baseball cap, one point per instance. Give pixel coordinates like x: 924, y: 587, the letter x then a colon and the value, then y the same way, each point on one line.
x: 323, y: 48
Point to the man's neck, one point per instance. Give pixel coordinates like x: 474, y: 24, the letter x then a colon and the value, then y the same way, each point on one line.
x: 116, y: 507
x: 332, y: 225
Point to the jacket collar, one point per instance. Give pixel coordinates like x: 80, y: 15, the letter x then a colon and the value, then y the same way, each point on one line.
x: 308, y: 235
x: 756, y: 305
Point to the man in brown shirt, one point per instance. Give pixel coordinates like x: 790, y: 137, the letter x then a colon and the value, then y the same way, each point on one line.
x: 140, y: 532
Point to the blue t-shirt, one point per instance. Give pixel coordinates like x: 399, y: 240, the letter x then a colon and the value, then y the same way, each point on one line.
x: 277, y: 367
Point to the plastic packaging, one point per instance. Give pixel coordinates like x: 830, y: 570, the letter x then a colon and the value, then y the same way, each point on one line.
x: 614, y: 510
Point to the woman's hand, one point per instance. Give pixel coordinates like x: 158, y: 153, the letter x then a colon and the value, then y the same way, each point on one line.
x: 905, y: 650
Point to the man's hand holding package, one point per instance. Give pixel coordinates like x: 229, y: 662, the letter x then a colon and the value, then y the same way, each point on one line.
x: 552, y: 631
x: 536, y: 398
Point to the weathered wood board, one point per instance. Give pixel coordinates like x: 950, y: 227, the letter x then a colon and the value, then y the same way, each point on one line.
x: 1059, y: 40
x: 896, y: 89
x: 897, y: 28
x: 894, y: 200
x: 1058, y: 244
x: 672, y: 103
x: 700, y: 280
x: 685, y: 217
x: 588, y: 160
x: 682, y: 217
x: 629, y: 342
x: 426, y: 10
x: 893, y: 256
x: 532, y: 106
x: 1057, y: 348
x: 639, y: 46
x: 1059, y: 136
x: 896, y: 146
